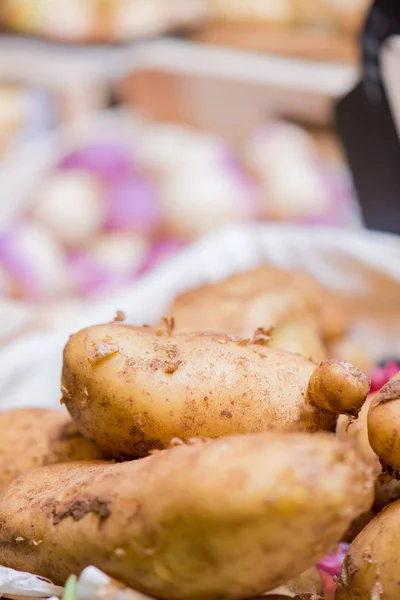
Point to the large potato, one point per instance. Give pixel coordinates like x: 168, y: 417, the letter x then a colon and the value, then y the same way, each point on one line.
x: 262, y: 297
x: 32, y: 437
x: 371, y: 567
x: 133, y: 389
x: 226, y: 519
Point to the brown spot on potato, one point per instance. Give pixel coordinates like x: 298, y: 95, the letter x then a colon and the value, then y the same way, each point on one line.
x: 119, y: 317
x: 262, y: 336
x: 226, y: 413
x: 77, y: 509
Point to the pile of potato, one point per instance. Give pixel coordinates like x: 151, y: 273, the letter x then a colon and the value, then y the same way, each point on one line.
x: 201, y: 461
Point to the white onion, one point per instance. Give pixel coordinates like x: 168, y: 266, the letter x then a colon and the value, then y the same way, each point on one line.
x: 71, y: 205
x: 35, y: 260
x: 287, y: 164
x: 118, y: 253
x: 107, y: 263
x: 203, y: 198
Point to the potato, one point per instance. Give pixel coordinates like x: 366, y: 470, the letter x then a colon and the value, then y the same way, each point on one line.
x: 370, y: 569
x: 384, y: 423
x: 299, y: 339
x: 339, y: 387
x: 352, y: 351
x: 133, y: 389
x: 263, y: 297
x: 31, y: 437
x: 387, y: 489
x: 225, y: 519
x: 356, y: 430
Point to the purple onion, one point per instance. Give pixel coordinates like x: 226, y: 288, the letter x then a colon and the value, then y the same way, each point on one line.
x: 332, y: 563
x: 133, y: 205
x: 90, y: 278
x: 160, y: 251
x: 105, y: 159
x: 245, y: 182
x: 35, y: 261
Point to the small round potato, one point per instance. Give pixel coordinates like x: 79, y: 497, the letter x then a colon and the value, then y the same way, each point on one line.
x: 134, y: 389
x: 339, y: 387
x: 225, y: 519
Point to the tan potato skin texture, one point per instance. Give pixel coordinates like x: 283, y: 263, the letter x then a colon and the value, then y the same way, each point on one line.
x: 386, y: 490
x: 32, y: 437
x: 372, y: 566
x: 357, y: 431
x: 131, y: 402
x: 262, y: 297
x: 384, y: 423
x: 225, y: 519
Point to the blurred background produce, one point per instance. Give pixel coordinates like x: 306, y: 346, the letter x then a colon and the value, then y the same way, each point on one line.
x: 222, y: 114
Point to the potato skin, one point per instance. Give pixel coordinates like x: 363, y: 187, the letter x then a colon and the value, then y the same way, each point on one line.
x: 387, y: 489
x: 384, y: 423
x: 225, y: 519
x: 371, y: 567
x: 356, y: 430
x: 262, y: 297
x: 338, y: 387
x: 31, y: 437
x: 299, y: 339
x: 133, y: 391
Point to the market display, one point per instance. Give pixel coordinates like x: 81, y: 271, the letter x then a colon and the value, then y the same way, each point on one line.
x: 108, y: 211
x: 89, y: 21
x: 223, y: 426
x: 237, y: 470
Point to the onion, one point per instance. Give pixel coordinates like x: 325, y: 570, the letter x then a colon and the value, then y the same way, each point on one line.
x: 381, y: 375
x: 285, y: 160
x: 35, y: 261
x: 71, y: 206
x: 330, y: 567
x: 118, y: 253
x: 105, y: 159
x: 161, y: 251
x: 165, y: 148
x: 132, y: 205
x: 204, y: 197
x: 8, y: 286
x: 107, y: 263
x: 332, y: 563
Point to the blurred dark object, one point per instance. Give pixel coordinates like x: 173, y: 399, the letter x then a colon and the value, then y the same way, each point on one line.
x: 367, y: 127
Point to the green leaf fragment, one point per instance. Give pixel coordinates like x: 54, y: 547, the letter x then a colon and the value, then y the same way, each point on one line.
x: 70, y: 588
